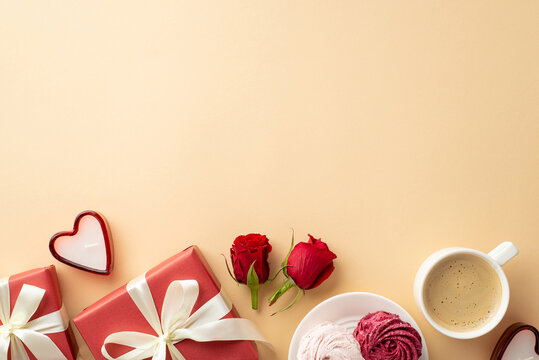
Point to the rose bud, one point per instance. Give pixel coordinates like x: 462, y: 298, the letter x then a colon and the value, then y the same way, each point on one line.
x: 307, y: 265
x: 249, y: 249
x: 249, y: 255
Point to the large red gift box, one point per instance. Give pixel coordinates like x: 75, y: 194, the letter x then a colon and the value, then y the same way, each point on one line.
x: 117, y: 312
x: 44, y: 278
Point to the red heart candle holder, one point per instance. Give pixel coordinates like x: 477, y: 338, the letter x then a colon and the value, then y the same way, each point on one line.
x: 87, y: 247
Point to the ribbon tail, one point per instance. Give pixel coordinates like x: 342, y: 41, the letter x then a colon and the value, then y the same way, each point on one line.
x: 4, y: 347
x: 41, y: 346
x: 161, y: 352
x: 19, y: 352
x: 175, y: 353
x: 136, y: 354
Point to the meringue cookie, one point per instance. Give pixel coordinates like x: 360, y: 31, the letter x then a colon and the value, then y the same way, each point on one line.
x: 329, y: 341
x: 384, y: 336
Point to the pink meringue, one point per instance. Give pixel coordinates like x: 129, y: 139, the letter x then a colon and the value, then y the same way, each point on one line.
x: 329, y: 341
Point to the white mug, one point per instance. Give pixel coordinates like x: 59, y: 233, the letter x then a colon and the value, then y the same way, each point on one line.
x: 496, y: 258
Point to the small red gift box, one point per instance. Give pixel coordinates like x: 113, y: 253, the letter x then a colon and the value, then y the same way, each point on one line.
x: 31, y: 307
x: 117, y: 312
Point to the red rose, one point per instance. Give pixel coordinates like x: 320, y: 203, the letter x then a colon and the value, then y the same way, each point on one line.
x: 307, y: 265
x: 310, y: 263
x: 246, y: 250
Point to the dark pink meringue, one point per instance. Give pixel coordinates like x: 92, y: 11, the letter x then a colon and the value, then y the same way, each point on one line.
x: 384, y: 336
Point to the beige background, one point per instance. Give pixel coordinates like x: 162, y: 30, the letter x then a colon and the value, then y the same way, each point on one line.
x: 388, y: 128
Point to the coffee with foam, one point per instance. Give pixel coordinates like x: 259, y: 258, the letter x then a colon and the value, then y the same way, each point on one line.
x: 462, y: 292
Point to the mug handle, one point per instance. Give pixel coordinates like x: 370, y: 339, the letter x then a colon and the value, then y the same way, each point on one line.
x: 504, y: 252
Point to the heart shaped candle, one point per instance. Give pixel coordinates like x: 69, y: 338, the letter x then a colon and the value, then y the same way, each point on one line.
x: 519, y: 342
x: 88, y: 247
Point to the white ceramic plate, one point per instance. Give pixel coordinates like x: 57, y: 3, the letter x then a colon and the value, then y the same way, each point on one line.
x: 346, y: 310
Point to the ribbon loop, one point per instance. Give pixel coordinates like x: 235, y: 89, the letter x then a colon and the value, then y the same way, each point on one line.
x: 177, y: 323
x: 27, y: 303
x: 141, y: 295
x: 179, y: 301
x: 4, y: 301
x: 52, y: 323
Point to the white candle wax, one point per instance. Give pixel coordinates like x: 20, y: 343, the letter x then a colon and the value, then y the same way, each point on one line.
x: 521, y: 347
x: 86, y: 247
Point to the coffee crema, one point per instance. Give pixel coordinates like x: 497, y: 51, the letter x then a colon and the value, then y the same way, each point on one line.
x: 462, y: 292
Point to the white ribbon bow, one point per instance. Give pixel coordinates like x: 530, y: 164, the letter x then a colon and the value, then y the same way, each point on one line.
x: 176, y: 323
x: 16, y: 329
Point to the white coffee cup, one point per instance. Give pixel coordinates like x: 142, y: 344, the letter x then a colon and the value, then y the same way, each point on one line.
x: 496, y: 258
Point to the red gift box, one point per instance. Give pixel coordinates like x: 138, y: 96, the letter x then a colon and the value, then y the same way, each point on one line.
x: 46, y: 279
x: 117, y: 312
